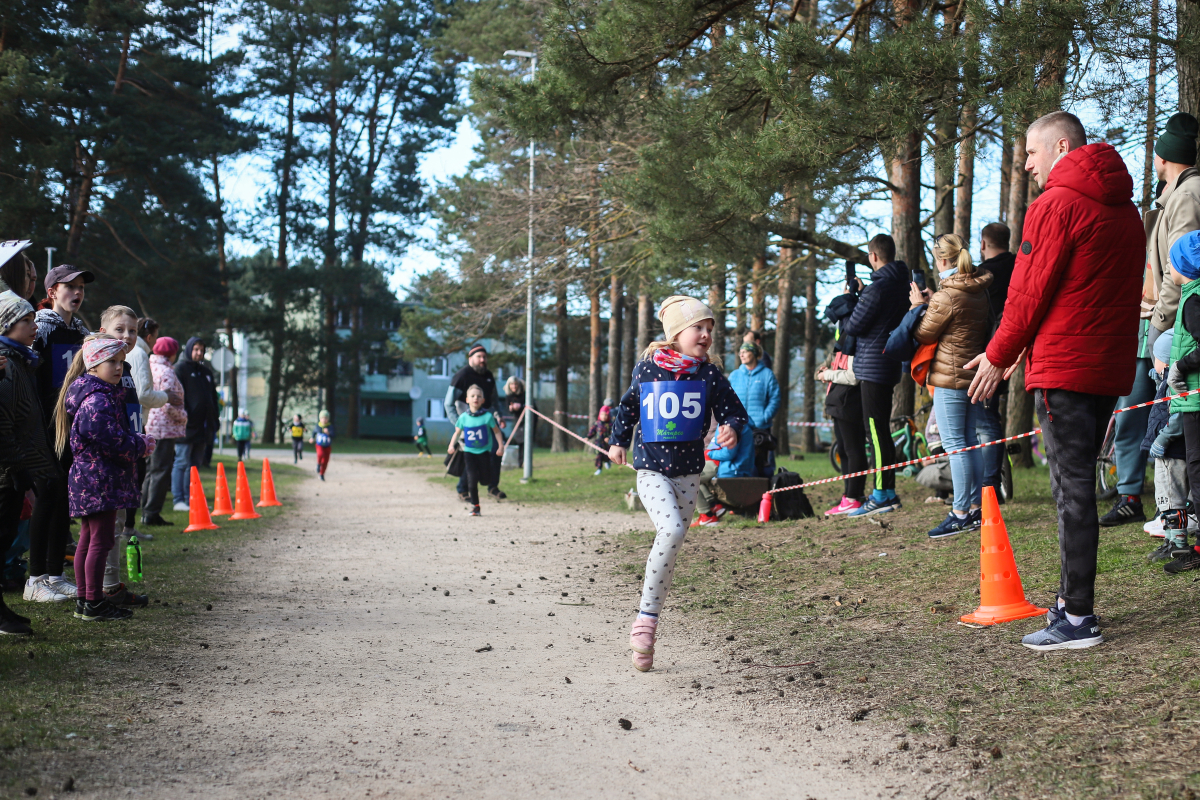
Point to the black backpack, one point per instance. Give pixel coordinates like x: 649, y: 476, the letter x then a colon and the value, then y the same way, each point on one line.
x: 792, y: 504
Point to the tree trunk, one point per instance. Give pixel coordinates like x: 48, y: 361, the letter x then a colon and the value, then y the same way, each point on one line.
x: 906, y: 230
x: 614, y: 339
x: 783, y: 346
x: 628, y: 338
x: 739, y: 290
x: 966, y: 176
x: 331, y: 215
x: 1006, y: 165
x: 1187, y: 54
x: 81, y: 203
x: 560, y: 443
x: 758, y: 281
x: 223, y: 271
x: 1018, y: 194
x: 944, y: 175
x: 595, y: 372
x: 1151, y: 111
x: 716, y: 301
x: 645, y: 323
x: 354, y: 387
x: 808, y: 435
x: 279, y: 328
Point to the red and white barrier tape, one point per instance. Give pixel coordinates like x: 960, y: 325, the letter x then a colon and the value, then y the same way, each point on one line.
x: 904, y: 464
x: 516, y: 426
x: 811, y: 424
x: 572, y: 433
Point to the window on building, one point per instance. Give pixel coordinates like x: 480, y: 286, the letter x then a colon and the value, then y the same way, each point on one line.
x: 382, y: 408
x: 434, y: 409
x: 439, y: 367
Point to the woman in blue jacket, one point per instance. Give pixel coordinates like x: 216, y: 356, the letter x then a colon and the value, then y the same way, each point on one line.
x: 756, y: 387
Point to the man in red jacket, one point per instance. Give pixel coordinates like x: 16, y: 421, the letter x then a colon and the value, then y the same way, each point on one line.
x: 1073, y: 309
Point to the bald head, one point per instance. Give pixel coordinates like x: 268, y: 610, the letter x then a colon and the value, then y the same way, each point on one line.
x: 1048, y: 139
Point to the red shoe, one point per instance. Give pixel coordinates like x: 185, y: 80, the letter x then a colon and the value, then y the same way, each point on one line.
x: 719, y: 510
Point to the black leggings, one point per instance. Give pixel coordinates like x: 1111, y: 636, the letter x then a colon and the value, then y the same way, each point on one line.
x: 50, y: 527
x: 877, y: 424
x: 853, y: 442
x: 479, y: 471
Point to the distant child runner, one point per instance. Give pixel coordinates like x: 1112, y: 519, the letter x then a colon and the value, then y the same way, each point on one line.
x: 676, y: 387
x: 477, y: 428
x: 243, y: 432
x: 422, y: 440
x: 91, y: 420
x: 599, y: 435
x: 298, y: 428
x: 322, y: 439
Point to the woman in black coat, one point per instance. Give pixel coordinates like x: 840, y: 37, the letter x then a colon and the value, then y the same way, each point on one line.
x: 199, y: 399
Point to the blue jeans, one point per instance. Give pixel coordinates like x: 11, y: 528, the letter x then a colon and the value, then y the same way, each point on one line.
x: 990, y: 427
x: 1131, y: 430
x: 180, y: 479
x: 957, y: 420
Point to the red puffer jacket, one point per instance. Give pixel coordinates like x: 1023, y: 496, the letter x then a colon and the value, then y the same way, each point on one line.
x: 1077, y: 283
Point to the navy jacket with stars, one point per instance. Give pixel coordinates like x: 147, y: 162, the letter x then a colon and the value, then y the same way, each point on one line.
x: 674, y: 459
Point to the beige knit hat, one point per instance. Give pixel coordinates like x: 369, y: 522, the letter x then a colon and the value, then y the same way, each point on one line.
x: 679, y: 312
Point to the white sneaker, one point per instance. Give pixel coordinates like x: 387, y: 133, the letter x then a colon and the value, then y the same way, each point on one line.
x: 37, y: 590
x: 1154, y: 527
x: 63, y: 586
x: 182, y: 507
x: 142, y: 537
x: 597, y: 472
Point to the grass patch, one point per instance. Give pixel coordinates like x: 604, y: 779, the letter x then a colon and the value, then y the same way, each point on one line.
x: 1107, y: 722
x: 75, y: 685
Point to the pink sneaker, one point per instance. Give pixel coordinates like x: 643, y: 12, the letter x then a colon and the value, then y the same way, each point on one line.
x: 641, y: 642
x: 845, y: 507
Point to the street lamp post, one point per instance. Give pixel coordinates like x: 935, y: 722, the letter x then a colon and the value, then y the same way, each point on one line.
x: 528, y: 465
x: 50, y: 259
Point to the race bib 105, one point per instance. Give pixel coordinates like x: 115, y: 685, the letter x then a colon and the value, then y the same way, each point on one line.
x: 673, y: 411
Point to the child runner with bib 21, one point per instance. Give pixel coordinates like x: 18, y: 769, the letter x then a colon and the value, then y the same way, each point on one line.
x: 676, y: 387
x: 477, y: 428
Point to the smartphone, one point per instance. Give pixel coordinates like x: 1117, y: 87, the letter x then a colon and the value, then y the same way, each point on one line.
x: 919, y: 279
x: 851, y: 278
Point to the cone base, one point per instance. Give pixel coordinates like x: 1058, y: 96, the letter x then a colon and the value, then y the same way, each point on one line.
x: 267, y: 504
x: 221, y: 513
x: 191, y: 528
x: 245, y: 515
x: 992, y: 615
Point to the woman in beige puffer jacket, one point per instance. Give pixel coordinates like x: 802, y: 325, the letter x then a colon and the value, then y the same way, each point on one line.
x: 958, y: 320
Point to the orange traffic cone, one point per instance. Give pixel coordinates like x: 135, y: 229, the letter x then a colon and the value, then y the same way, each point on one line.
x: 198, y: 518
x: 243, y: 502
x: 221, y: 504
x: 1001, y: 596
x: 266, y: 492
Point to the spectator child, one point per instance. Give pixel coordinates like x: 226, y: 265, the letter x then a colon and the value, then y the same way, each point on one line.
x: 24, y: 453
x: 203, y: 409
x: 736, y: 461
x: 91, y: 420
x: 598, y: 435
x: 422, y: 440
x: 1183, y: 374
x: 709, y: 511
x: 243, y: 432
x: 1164, y: 441
x: 168, y: 425
x: 685, y: 387
x: 298, y: 429
x: 322, y: 439
x: 476, y: 428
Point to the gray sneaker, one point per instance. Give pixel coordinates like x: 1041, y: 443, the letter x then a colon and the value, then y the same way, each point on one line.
x: 1062, y: 635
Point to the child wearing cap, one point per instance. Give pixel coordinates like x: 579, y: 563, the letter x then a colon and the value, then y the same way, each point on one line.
x: 676, y: 387
x: 91, y: 421
x: 167, y: 424
x: 60, y: 334
x: 598, y: 435
x: 25, y: 455
x: 1183, y: 374
x: 322, y: 440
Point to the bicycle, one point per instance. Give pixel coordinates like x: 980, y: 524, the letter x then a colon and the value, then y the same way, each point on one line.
x: 909, y: 441
x: 1106, y: 463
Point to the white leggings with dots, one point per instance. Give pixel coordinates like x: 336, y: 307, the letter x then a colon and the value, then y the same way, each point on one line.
x: 670, y: 503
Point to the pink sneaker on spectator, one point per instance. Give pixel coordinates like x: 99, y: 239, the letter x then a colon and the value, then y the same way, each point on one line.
x: 845, y: 507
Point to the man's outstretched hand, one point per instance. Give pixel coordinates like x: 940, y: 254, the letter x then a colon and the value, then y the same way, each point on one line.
x: 987, y: 376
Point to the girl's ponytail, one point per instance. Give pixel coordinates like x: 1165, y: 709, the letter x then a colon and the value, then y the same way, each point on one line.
x: 62, y: 422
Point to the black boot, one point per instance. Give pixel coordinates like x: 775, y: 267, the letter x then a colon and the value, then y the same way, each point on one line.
x: 12, y: 623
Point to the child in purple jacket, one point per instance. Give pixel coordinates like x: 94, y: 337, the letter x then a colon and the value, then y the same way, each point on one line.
x: 91, y: 419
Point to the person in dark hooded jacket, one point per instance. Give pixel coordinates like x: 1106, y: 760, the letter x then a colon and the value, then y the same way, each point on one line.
x: 879, y: 309
x: 200, y: 402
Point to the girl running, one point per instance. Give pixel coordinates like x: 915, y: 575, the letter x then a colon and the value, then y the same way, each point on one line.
x: 477, y: 428
x: 676, y: 387
x: 92, y: 421
x: 322, y: 439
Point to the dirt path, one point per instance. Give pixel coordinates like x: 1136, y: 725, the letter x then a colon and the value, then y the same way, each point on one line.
x: 315, y: 686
